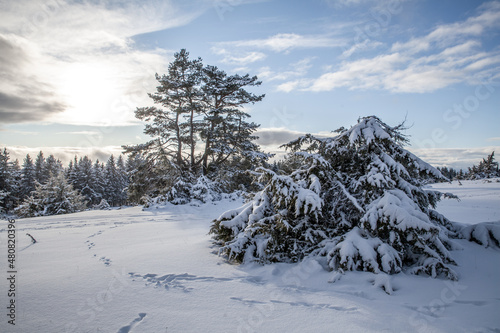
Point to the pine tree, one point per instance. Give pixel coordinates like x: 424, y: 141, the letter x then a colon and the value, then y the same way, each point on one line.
x: 51, y: 167
x: 487, y: 168
x: 84, y: 180
x: 123, y: 180
x: 54, y: 197
x: 356, y: 200
x: 173, y: 128
x: 139, y: 172
x: 4, y: 169
x: 10, y: 178
x: 99, y: 184
x: 15, y: 183
x: 226, y: 132
x: 199, y: 129
x: 28, y: 178
x: 72, y: 172
x: 40, y: 175
x: 113, y: 179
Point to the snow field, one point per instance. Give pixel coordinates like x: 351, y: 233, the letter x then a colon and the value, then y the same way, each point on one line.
x: 479, y: 201
x: 156, y: 270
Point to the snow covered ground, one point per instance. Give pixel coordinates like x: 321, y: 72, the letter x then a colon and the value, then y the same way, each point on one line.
x: 479, y: 201
x: 130, y: 270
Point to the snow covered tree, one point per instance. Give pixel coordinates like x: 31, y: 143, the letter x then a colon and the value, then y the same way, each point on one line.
x: 123, y: 179
x: 28, y: 177
x: 138, y: 173
x: 449, y: 173
x: 84, y: 180
x: 226, y: 132
x: 356, y: 200
x: 51, y: 167
x: 99, y: 184
x: 10, y: 182
x: 54, y: 197
x: 487, y: 168
x: 15, y: 182
x: 174, y: 126
x: 4, y: 170
x: 114, y: 183
x: 40, y: 175
x: 198, y: 127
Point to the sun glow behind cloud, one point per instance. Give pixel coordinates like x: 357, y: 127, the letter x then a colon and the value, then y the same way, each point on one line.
x: 77, y: 62
x: 87, y: 89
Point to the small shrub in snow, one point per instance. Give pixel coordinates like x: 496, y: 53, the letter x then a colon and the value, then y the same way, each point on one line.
x: 103, y: 205
x: 185, y: 191
x: 356, y: 199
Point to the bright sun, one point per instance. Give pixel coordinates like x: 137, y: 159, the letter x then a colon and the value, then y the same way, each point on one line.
x: 95, y: 95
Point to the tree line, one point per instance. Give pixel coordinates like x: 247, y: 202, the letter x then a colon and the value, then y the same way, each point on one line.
x: 486, y: 168
x: 43, y: 186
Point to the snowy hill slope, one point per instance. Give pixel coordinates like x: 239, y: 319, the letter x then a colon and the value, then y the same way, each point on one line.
x: 153, y: 271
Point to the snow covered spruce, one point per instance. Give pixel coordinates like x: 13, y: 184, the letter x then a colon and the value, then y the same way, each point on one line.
x: 54, y: 197
x: 354, y: 201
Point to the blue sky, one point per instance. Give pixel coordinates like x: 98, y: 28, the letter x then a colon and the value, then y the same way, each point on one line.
x: 73, y: 72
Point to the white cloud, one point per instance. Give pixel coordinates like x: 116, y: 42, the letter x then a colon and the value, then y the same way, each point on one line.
x: 65, y: 154
x: 367, y: 44
x: 296, y: 69
x: 449, y: 34
x: 284, y: 42
x: 242, y: 59
x: 293, y: 85
x: 80, y: 133
x: 75, y: 62
x: 449, y: 54
x: 458, y: 158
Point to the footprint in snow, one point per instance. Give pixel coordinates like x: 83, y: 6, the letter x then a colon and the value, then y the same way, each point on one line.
x: 106, y: 261
x: 177, y: 281
x: 135, y: 322
x: 96, y: 234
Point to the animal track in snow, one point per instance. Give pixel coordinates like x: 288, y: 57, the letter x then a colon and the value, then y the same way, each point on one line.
x: 177, y: 281
x: 304, y: 304
x: 135, y: 322
x: 105, y: 260
x: 317, y: 306
x: 96, y: 234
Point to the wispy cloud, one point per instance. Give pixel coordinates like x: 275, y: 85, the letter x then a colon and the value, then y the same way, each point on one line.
x: 19, y: 132
x: 240, y: 60
x: 367, y: 44
x: 284, y: 42
x: 450, y: 53
x: 61, y: 59
x: 296, y: 69
x: 244, y: 52
x: 80, y: 133
x: 459, y: 158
